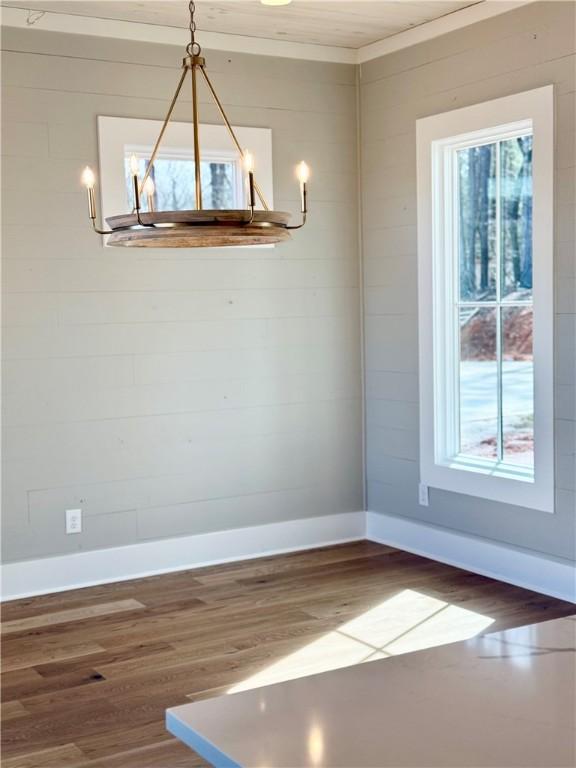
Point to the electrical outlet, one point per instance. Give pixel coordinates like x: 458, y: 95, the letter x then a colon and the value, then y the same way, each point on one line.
x: 423, y: 499
x: 73, y: 521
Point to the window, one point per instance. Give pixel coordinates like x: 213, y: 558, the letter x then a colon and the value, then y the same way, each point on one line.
x: 485, y: 299
x: 493, y: 303
x: 174, y: 182
x: 221, y: 169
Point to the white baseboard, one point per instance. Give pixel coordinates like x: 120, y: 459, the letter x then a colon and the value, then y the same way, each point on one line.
x: 520, y: 567
x: 102, y: 566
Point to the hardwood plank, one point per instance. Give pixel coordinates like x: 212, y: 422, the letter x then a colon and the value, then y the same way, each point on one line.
x: 187, y: 650
x: 171, y: 753
x: 102, y: 681
x: 117, y: 739
x: 72, y: 614
x: 140, y: 654
x: 187, y: 676
x: 11, y: 709
x: 49, y: 729
x: 102, y: 627
x: 80, y: 598
x: 34, y: 657
x: 28, y: 678
x: 202, y: 624
x: 70, y: 680
x: 296, y: 561
x: 56, y: 757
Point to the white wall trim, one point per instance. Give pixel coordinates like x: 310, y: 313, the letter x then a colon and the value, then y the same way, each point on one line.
x: 438, y: 138
x: 103, y: 566
x: 217, y: 41
x: 155, y: 33
x: 520, y: 567
x: 449, y: 23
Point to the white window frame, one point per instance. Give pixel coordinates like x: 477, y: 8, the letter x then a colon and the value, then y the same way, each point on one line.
x: 437, y: 139
x: 116, y: 135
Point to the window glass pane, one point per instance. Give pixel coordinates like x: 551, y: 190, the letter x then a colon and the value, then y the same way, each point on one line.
x: 218, y: 185
x: 478, y: 383
x: 516, y: 217
x: 477, y: 222
x: 175, y: 184
x: 517, y: 386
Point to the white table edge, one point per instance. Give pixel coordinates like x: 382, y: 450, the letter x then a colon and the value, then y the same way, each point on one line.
x: 198, y: 743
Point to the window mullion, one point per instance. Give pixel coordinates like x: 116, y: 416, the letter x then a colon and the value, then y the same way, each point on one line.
x: 455, y: 295
x: 498, y: 308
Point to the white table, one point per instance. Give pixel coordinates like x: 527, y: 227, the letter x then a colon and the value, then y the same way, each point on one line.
x: 505, y: 699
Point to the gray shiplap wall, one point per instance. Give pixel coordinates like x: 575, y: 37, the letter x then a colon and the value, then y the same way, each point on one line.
x: 529, y: 47
x: 172, y: 392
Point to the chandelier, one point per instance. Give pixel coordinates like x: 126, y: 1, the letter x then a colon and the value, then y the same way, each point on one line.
x: 201, y: 227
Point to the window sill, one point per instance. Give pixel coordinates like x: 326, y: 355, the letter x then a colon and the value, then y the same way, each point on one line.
x: 494, y: 481
x: 491, y: 468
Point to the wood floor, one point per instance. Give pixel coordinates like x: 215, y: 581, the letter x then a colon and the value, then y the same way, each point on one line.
x: 87, y: 675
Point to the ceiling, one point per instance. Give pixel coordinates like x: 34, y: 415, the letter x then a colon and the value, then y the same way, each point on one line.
x: 345, y: 23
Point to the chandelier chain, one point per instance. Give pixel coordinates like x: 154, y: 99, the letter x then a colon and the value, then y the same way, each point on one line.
x: 193, y: 48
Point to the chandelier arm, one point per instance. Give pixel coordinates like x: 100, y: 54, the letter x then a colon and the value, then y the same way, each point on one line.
x: 163, y: 130
x: 197, y: 159
x: 231, y: 132
x: 120, y: 229
x: 101, y: 231
x: 298, y: 226
x: 141, y: 223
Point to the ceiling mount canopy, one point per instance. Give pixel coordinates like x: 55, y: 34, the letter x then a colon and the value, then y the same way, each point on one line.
x: 200, y: 227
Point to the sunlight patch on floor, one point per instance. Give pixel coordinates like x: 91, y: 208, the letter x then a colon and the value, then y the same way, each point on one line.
x: 409, y: 621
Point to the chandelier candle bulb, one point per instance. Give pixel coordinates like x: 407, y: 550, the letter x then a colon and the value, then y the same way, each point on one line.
x: 134, y: 165
x: 149, y: 189
x: 88, y: 179
x: 303, y: 173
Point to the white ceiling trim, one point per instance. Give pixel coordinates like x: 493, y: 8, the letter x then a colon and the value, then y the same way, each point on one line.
x: 152, y: 33
x: 448, y: 23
